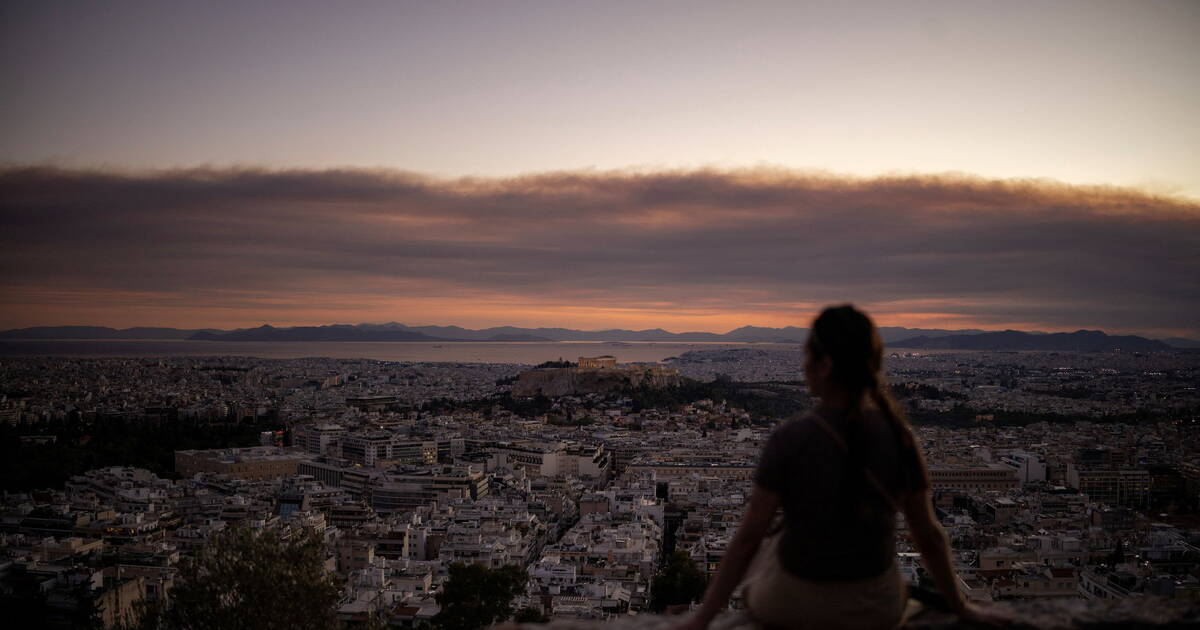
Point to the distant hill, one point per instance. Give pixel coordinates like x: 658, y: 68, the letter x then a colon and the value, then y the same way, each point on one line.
x: 893, y: 333
x: 1078, y: 341
x: 314, y: 333
x: 95, y: 332
x: 567, y: 334
x: 525, y: 338
x: 917, y: 338
x: 343, y: 332
x: 789, y: 334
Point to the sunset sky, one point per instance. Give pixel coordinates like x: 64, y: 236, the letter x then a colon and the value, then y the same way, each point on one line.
x: 684, y: 165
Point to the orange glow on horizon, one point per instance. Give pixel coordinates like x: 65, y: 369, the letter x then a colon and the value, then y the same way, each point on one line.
x: 685, y: 251
x: 133, y: 309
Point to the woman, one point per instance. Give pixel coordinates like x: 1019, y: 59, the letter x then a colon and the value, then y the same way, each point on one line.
x: 840, y: 473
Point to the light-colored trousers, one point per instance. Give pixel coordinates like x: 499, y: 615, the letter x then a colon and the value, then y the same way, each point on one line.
x: 779, y: 599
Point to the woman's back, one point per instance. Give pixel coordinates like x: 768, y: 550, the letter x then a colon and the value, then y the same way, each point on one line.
x: 839, y: 525
x: 840, y: 474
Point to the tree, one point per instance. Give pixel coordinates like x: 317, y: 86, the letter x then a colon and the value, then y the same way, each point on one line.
x: 529, y: 614
x: 680, y: 582
x: 476, y: 596
x: 554, y: 364
x: 254, y: 580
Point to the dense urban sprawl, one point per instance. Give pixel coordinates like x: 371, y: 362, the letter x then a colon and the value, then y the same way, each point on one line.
x: 1056, y: 475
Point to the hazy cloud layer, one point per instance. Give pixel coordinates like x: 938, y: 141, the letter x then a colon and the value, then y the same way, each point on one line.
x: 226, y: 247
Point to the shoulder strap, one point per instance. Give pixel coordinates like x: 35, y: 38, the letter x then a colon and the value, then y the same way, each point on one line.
x: 841, y: 442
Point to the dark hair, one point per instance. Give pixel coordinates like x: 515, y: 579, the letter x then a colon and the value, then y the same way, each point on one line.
x: 849, y: 338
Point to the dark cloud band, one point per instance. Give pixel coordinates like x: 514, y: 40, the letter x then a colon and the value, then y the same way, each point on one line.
x: 990, y: 250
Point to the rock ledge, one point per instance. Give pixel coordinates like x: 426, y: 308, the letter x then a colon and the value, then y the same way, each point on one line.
x: 1127, y: 614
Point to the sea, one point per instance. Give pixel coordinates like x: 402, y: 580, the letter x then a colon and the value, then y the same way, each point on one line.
x: 414, y: 351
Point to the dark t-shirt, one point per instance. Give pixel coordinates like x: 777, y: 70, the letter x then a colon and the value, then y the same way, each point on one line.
x: 838, y: 526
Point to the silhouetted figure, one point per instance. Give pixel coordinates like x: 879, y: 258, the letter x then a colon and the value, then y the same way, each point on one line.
x: 839, y: 473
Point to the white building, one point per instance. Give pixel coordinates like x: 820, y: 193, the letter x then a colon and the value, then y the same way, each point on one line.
x: 318, y: 438
x: 1030, y: 467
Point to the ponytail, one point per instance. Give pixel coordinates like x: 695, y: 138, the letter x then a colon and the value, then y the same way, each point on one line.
x: 899, y: 423
x: 850, y: 339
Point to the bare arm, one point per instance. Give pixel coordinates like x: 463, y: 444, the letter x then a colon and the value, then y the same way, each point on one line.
x: 934, y: 546
x: 763, y: 505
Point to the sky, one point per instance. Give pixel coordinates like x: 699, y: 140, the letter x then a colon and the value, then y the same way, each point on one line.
x: 691, y: 166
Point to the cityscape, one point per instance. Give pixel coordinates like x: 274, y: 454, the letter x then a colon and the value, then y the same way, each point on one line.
x: 599, y: 315
x: 1056, y: 475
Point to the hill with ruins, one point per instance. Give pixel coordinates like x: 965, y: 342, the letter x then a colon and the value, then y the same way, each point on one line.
x: 593, y: 375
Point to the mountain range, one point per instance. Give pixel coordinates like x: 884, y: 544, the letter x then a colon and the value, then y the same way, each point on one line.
x: 896, y: 337
x: 1078, y: 341
x: 98, y: 332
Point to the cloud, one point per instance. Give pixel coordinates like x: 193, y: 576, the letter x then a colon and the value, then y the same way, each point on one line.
x: 752, y: 246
